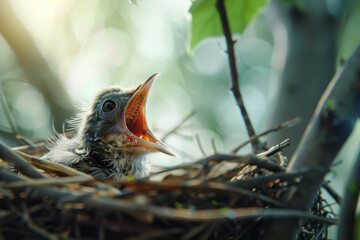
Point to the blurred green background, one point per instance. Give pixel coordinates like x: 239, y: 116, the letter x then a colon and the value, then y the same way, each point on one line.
x: 89, y: 45
x: 58, y: 54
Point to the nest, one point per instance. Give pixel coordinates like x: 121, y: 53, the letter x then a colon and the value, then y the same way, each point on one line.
x: 222, y: 196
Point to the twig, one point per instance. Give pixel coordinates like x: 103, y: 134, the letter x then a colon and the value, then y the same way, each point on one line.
x: 197, y: 137
x: 194, y: 231
x: 187, y: 117
x: 255, y: 182
x: 24, y: 140
x: 19, y: 163
x: 275, y: 149
x: 249, y: 159
x: 8, y: 115
x: 214, y: 145
x: 212, y: 215
x: 52, y: 166
x: 48, y: 182
x: 25, y: 216
x: 287, y: 124
x: 231, y: 189
x: 34, y: 148
x: 209, y: 232
x: 233, y: 70
x: 261, y: 162
x: 63, y: 169
x: 42, y: 232
x: 333, y: 193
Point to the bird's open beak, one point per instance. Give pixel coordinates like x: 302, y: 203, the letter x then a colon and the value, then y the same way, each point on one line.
x: 135, y: 118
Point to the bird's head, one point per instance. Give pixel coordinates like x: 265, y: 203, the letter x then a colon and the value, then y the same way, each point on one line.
x: 117, y: 118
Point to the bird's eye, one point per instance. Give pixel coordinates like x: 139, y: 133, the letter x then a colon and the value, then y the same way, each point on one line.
x: 108, y: 106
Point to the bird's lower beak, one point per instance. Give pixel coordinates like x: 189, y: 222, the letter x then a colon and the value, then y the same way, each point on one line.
x: 135, y: 119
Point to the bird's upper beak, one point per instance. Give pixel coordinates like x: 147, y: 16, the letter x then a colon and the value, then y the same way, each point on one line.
x: 135, y: 119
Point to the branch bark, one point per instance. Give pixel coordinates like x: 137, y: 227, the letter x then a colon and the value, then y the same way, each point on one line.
x: 23, y: 166
x: 347, y: 224
x: 304, y: 54
x: 220, y: 5
x: 333, y: 120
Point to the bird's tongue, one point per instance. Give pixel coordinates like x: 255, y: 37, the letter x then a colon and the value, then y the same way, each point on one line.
x: 135, y: 118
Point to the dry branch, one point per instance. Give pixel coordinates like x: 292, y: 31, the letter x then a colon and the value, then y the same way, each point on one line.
x: 33, y: 149
x: 221, y: 215
x: 333, y: 120
x: 259, y: 181
x: 19, y: 163
x: 305, y: 67
x: 348, y: 226
x: 220, y: 5
x: 249, y: 159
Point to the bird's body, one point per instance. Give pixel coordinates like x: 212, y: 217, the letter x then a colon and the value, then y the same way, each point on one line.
x: 102, y: 160
x: 112, y: 138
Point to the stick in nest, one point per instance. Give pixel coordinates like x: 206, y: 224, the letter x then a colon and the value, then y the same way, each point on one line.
x: 18, y: 162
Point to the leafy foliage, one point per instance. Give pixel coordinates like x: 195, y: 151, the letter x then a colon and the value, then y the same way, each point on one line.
x: 206, y: 20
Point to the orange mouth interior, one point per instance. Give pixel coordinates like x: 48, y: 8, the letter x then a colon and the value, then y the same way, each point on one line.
x: 135, y: 120
x: 135, y: 116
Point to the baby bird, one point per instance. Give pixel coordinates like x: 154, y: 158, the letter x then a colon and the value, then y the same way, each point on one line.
x: 111, y: 139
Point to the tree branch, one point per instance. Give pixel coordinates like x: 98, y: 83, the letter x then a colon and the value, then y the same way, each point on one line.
x: 338, y: 199
x: 333, y: 120
x: 23, y: 166
x: 233, y: 71
x: 347, y: 224
x: 301, y: 62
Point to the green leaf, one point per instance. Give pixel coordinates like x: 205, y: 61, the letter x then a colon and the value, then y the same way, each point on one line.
x: 206, y: 19
x: 349, y: 34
